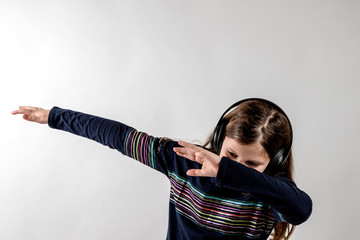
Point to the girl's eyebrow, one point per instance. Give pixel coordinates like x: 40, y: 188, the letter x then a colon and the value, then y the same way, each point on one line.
x: 255, y: 162
x: 230, y: 149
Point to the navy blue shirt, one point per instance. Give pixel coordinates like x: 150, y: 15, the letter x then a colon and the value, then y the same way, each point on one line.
x: 240, y: 203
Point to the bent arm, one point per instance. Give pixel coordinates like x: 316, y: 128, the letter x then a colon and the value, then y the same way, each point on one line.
x: 294, y: 205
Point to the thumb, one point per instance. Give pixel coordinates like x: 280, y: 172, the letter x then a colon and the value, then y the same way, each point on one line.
x: 194, y: 173
x: 27, y: 117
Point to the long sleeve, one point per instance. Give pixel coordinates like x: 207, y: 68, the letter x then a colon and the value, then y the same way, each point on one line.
x: 199, y: 208
x: 116, y: 135
x: 280, y: 193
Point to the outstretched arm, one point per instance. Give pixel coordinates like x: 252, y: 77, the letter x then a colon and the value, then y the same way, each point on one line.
x: 116, y: 135
x: 33, y: 114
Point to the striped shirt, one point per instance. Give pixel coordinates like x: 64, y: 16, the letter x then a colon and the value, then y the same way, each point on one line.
x: 240, y: 203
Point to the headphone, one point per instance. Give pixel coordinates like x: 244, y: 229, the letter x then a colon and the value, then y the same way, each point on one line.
x: 280, y: 157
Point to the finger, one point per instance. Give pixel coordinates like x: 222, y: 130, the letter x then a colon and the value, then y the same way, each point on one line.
x: 28, y: 108
x: 195, y: 173
x: 184, y: 153
x: 199, y: 157
x: 184, y: 150
x: 25, y: 110
x: 189, y: 145
x: 20, y: 111
x: 26, y: 117
x: 16, y: 112
x: 179, y: 150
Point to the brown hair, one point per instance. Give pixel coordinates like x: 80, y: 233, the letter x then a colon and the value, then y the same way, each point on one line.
x: 257, y: 121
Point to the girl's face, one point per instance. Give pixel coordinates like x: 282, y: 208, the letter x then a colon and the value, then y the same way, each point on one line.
x: 251, y: 155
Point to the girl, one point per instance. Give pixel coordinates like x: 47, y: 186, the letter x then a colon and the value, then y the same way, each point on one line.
x: 239, y: 185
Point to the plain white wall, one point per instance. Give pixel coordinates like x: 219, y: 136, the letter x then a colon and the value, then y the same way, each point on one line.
x: 170, y: 68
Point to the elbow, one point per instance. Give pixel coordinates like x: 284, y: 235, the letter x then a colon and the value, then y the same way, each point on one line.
x: 302, y: 212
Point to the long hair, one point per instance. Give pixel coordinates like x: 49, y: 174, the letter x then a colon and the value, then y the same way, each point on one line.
x: 256, y: 121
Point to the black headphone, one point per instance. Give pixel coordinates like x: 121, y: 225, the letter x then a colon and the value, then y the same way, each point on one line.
x: 280, y: 156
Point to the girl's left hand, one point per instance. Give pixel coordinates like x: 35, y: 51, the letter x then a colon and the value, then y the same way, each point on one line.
x: 210, y: 161
x: 33, y: 114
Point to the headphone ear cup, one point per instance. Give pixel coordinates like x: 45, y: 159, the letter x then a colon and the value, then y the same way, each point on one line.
x: 276, y: 162
x: 218, y: 136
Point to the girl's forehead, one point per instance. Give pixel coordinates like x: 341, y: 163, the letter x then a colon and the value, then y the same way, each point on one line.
x: 254, y: 149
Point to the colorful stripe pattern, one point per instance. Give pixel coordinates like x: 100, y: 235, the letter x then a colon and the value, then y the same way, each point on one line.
x: 139, y: 145
x: 227, y: 216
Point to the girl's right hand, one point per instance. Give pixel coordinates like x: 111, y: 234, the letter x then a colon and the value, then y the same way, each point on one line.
x: 33, y: 114
x: 210, y: 161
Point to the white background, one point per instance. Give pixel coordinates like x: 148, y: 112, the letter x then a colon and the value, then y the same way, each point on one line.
x: 170, y: 68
